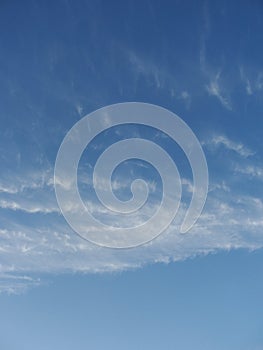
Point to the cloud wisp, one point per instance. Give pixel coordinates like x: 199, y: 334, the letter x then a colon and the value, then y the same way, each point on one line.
x: 36, y: 243
x: 214, y: 88
x: 222, y: 140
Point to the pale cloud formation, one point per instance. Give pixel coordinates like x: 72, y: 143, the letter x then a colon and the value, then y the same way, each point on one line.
x: 230, y: 220
x: 27, y: 206
x: 214, y: 88
x: 246, y: 81
x: 54, y: 248
x: 158, y: 76
x: 251, y: 170
x: 29, y: 180
x: 253, y: 82
x: 148, y: 69
x: 79, y: 109
x: 17, y: 284
x: 221, y: 140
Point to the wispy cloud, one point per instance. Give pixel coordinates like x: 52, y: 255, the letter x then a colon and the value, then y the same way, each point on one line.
x: 28, y: 207
x: 31, y: 247
x: 17, y: 284
x: 8, y: 189
x: 186, y: 97
x: 31, y: 193
x: 221, y: 140
x: 251, y: 170
x: 56, y: 249
x: 27, y: 181
x: 259, y: 81
x: 157, y: 76
x: 253, y: 82
x: 214, y: 88
x: 146, y: 68
x: 246, y: 81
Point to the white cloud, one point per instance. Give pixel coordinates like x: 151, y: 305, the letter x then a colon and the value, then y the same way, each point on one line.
x: 157, y: 76
x: 253, y: 82
x: 251, y: 170
x: 28, y: 181
x: 79, y: 109
x: 31, y: 193
x: 219, y: 186
x: 8, y: 189
x: 215, y: 86
x: 29, y: 207
x: 221, y: 140
x: 185, y: 96
x: 259, y: 81
x: 246, y: 81
x: 17, y: 284
x: 215, y: 89
x: 31, y: 247
x: 56, y: 249
x: 147, y: 69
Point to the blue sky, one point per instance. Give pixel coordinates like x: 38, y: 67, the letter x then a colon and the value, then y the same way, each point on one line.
x: 60, y: 61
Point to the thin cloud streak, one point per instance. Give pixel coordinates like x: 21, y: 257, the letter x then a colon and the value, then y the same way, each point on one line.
x: 214, y: 88
x: 230, y: 220
x: 224, y: 141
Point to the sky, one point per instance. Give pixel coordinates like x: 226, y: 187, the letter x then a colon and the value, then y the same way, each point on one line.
x: 62, y: 60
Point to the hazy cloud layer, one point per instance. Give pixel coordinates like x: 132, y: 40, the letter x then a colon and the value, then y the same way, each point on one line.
x: 38, y: 240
